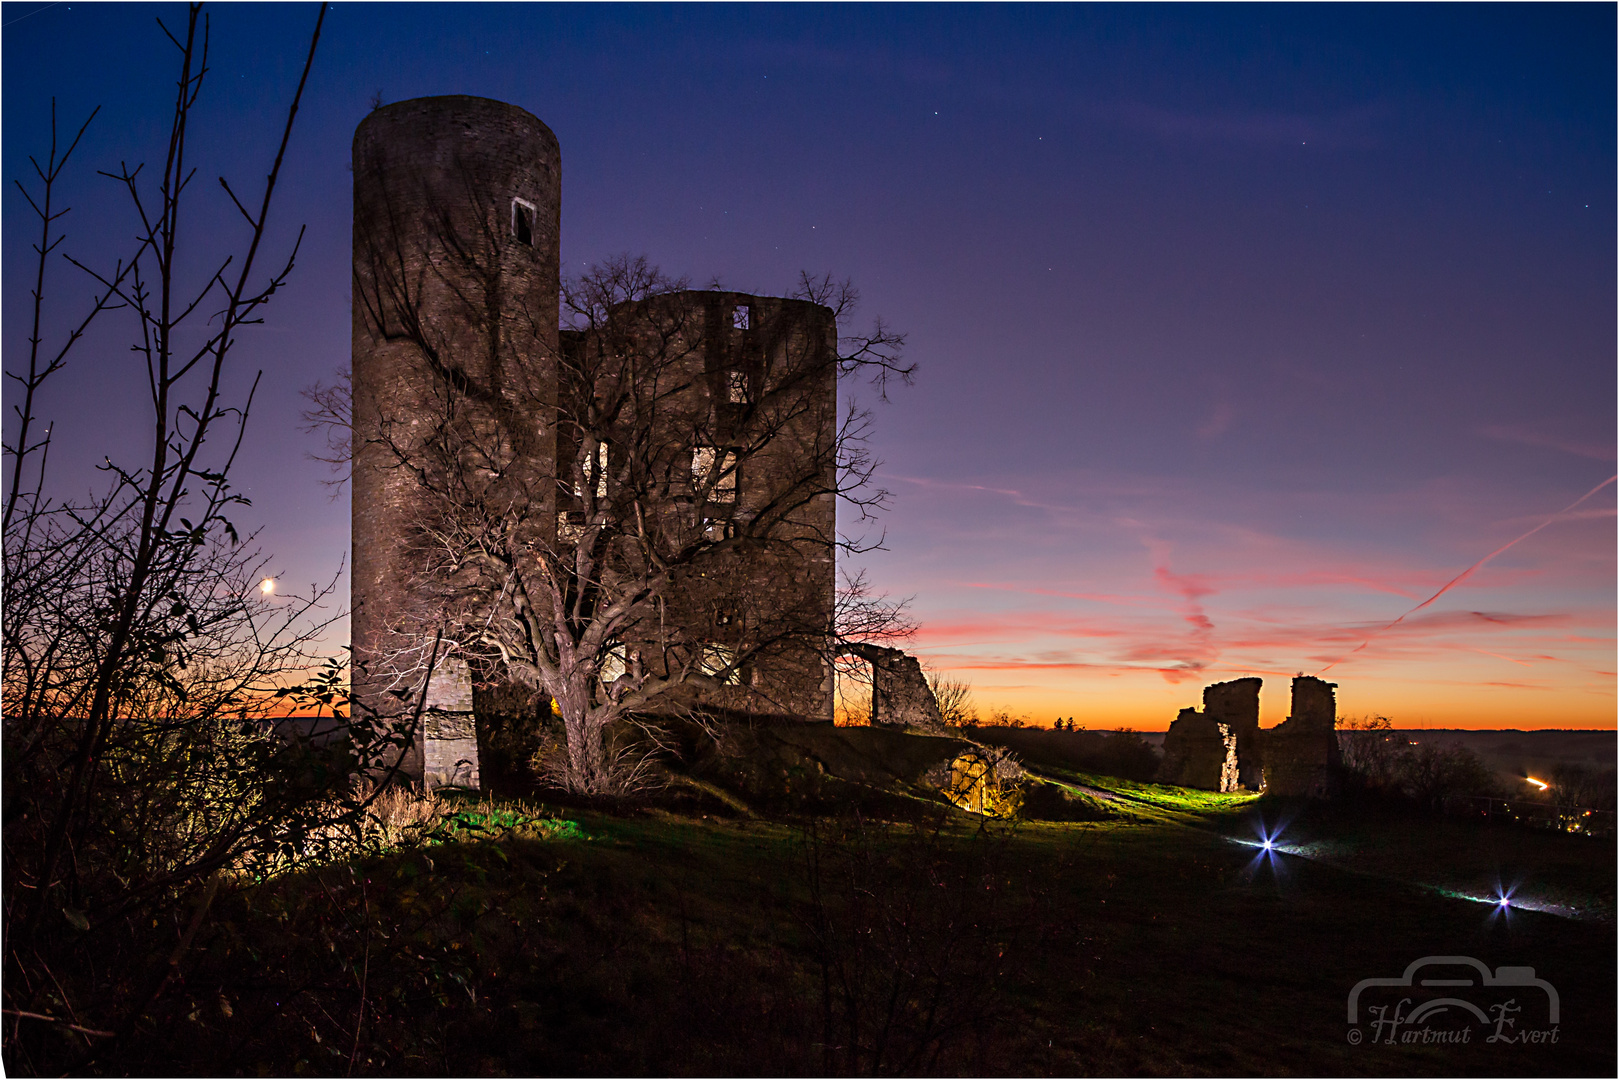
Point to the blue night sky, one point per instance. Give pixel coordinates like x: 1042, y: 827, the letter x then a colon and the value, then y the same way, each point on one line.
x: 1242, y: 329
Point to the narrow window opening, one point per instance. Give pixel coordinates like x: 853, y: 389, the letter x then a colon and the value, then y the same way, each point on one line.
x: 715, y: 470
x: 595, y: 470
x: 570, y: 526
x: 614, y: 665
x: 740, y: 317
x: 717, y: 530
x: 523, y: 221
x: 737, y: 384
x: 719, y: 662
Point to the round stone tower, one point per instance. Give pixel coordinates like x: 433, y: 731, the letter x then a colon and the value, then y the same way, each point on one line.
x: 457, y: 206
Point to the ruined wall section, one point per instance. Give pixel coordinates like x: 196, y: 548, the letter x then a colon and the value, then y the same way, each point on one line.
x: 1236, y: 705
x: 1200, y: 752
x: 448, y: 735
x: 769, y: 374
x: 1223, y: 748
x: 1301, y: 753
x: 900, y: 695
x: 456, y: 226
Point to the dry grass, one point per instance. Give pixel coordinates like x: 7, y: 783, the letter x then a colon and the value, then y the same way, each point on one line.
x: 401, y: 816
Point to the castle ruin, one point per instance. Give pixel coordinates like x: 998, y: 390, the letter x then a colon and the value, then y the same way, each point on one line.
x: 1223, y: 748
x: 666, y: 422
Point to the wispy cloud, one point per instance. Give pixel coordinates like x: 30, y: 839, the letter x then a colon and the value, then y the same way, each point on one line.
x: 1526, y: 436
x: 1101, y: 598
x: 1198, y: 649
x: 1471, y: 570
x: 1142, y: 578
x: 1141, y: 642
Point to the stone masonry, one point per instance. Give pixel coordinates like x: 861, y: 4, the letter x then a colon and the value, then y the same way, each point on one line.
x: 457, y: 234
x: 448, y: 736
x: 1301, y: 753
x: 1236, y: 705
x: 1200, y: 752
x: 900, y: 695
x: 1223, y: 748
x: 425, y: 169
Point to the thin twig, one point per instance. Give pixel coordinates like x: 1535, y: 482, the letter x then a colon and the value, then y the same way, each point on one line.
x: 24, y: 1015
x: 365, y: 973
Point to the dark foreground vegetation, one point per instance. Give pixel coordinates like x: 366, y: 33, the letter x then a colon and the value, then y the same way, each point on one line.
x: 895, y: 937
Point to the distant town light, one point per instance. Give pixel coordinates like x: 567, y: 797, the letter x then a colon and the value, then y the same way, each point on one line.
x: 267, y: 586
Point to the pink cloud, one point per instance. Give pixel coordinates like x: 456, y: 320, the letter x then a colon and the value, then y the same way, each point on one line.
x: 1143, y: 642
x: 1105, y: 598
x: 1216, y: 593
x: 1016, y: 626
x: 1198, y: 650
x: 1304, y: 578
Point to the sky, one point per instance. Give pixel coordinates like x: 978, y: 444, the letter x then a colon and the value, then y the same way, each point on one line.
x: 1241, y: 330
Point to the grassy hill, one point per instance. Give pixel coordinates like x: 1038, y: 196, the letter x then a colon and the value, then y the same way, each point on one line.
x: 805, y: 908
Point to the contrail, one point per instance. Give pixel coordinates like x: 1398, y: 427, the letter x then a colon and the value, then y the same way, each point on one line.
x: 1465, y: 574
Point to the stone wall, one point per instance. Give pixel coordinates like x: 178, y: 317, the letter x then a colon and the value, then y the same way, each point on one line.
x: 448, y: 286
x: 758, y: 389
x: 1223, y: 747
x: 448, y: 734
x: 1301, y: 753
x: 1236, y: 705
x: 1200, y: 752
x: 456, y: 268
x: 900, y: 695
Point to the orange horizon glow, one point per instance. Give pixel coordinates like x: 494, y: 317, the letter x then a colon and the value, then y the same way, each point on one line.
x: 1143, y: 699
x: 1511, y: 627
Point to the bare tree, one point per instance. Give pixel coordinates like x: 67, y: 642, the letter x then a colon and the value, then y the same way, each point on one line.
x: 1372, y: 750
x: 141, y: 657
x: 954, y: 697
x: 667, y: 548
x: 330, y: 415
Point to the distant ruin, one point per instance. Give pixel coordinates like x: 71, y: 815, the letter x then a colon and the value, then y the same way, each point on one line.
x: 1301, y: 754
x: 1223, y: 748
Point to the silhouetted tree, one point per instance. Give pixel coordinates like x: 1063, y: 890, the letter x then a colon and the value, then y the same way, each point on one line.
x: 954, y: 697
x: 140, y: 656
x: 1372, y: 750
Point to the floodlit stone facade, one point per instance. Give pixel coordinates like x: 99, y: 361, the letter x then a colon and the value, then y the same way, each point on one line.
x: 1236, y: 705
x: 1200, y: 752
x: 456, y: 255
x: 445, y: 166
